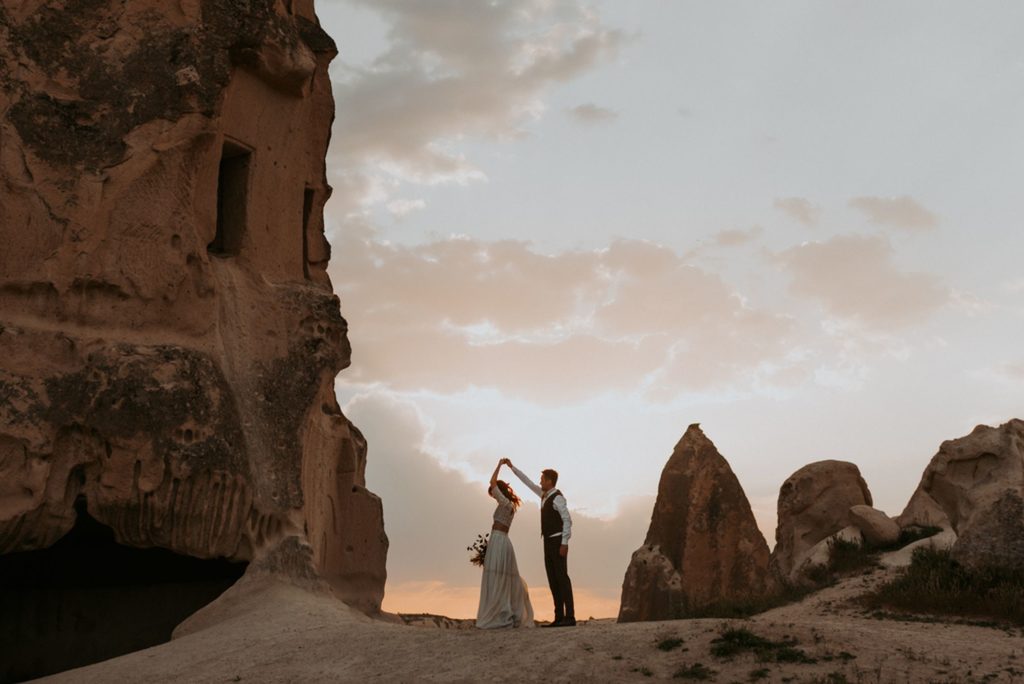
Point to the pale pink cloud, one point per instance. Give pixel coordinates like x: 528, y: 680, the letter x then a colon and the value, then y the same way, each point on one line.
x: 854, y: 277
x: 898, y: 212
x: 590, y: 113
x: 463, y: 313
x: 800, y: 209
x: 736, y: 237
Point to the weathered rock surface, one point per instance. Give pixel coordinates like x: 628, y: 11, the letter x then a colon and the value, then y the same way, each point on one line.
x: 169, y: 337
x: 977, y: 483
x: 814, y: 503
x: 878, y: 528
x: 703, y: 547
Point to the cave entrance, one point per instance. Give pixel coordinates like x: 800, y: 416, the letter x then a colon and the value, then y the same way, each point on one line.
x: 232, y: 199
x: 88, y: 598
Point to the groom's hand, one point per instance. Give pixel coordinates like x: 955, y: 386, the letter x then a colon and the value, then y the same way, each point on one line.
x: 563, y: 550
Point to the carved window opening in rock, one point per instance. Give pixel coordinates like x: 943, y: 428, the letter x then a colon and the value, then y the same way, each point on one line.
x: 307, y: 208
x: 232, y: 199
x: 88, y: 598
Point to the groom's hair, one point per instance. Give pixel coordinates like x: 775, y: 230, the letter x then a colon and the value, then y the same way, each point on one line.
x: 551, y: 475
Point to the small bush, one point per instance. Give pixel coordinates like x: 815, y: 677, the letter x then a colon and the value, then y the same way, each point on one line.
x: 788, y: 654
x: 936, y: 583
x: 669, y: 644
x: 847, y: 556
x: 697, y: 671
x: 732, y: 642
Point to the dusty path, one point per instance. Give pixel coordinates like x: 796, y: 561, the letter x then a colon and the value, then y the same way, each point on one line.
x: 272, y: 632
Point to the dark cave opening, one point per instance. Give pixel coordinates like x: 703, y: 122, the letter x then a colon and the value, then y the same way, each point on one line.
x: 87, y: 598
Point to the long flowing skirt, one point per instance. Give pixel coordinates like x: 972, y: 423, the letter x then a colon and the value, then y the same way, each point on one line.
x: 504, y: 596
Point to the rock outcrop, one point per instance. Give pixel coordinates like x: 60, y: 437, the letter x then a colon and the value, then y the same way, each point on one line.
x: 878, y: 528
x: 814, y: 504
x: 703, y: 548
x: 975, y: 486
x: 169, y: 337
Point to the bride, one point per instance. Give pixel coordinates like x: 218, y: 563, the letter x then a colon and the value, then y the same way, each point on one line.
x: 504, y: 596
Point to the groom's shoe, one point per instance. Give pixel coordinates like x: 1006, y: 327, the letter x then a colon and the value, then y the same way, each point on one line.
x: 567, y: 622
x: 557, y: 622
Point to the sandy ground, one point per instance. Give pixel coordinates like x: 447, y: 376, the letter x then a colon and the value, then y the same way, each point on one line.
x: 267, y: 631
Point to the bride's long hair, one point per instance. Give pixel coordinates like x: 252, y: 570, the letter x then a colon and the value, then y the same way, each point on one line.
x: 509, y: 494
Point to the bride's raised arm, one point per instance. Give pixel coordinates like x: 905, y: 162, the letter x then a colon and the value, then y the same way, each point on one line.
x: 494, y: 476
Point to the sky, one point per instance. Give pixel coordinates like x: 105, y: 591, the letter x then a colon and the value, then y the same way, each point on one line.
x: 563, y: 230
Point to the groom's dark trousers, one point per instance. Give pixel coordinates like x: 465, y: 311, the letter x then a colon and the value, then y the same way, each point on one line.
x: 558, y: 578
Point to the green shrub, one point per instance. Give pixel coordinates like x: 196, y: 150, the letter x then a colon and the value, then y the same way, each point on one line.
x: 669, y: 644
x: 732, y: 642
x: 936, y: 583
x: 697, y: 671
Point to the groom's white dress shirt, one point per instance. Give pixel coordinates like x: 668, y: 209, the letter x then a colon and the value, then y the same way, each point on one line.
x: 559, y: 505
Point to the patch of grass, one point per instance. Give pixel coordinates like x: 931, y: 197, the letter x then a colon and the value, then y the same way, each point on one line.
x: 936, y: 583
x: 645, y: 671
x: 732, y: 642
x: 832, y: 678
x: 697, y: 671
x: 788, y: 654
x: 758, y: 674
x: 616, y: 657
x: 847, y: 556
x: 669, y: 644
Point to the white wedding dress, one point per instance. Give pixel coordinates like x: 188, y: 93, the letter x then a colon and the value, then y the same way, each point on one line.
x: 504, y: 596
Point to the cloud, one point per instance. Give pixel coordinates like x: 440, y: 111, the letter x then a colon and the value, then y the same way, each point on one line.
x: 800, y: 209
x: 1014, y: 370
x: 899, y: 212
x: 853, y: 277
x: 590, y: 113
x: 460, y: 313
x: 431, y: 514
x: 403, y: 207
x: 737, y: 236
x: 454, y: 69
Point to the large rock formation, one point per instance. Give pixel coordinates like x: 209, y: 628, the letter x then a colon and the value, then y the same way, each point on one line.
x: 169, y: 337
x: 975, y: 486
x: 703, y: 548
x: 814, y: 504
x: 878, y: 528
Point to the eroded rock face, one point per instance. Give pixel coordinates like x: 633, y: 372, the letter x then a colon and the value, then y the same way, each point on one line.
x: 814, y: 503
x: 169, y: 337
x: 878, y: 528
x: 975, y: 485
x: 703, y: 547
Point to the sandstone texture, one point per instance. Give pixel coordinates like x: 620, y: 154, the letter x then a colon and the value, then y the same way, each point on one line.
x: 169, y: 337
x: 878, y: 528
x: 703, y: 547
x: 975, y: 485
x: 814, y: 504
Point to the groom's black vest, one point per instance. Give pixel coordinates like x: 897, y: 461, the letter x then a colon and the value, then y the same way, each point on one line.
x: 550, y: 519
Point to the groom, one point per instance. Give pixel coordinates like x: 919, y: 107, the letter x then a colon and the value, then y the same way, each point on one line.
x: 556, y: 526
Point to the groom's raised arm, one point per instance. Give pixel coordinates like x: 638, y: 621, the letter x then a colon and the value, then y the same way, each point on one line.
x: 527, y: 481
